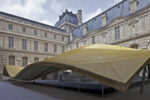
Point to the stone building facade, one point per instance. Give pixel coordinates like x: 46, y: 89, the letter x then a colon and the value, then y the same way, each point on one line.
x: 129, y: 30
x: 24, y: 41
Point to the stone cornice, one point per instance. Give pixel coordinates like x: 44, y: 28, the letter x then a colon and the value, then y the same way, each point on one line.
x: 32, y: 37
x: 26, y: 51
x: 67, y: 24
x: 123, y: 19
x: 36, y: 27
x: 131, y: 38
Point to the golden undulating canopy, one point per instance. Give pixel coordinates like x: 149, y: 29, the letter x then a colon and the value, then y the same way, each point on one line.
x: 114, y: 66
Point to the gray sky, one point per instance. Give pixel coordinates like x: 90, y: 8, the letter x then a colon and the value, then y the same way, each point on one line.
x: 48, y: 11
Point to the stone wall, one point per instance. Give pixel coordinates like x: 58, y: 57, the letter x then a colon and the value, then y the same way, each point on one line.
x: 133, y: 29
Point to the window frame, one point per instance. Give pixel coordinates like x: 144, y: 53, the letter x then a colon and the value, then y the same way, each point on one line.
x: 11, y: 42
x: 93, y: 40
x: 24, y: 44
x: 24, y: 61
x: 117, y: 33
x: 45, y: 35
x: 35, y: 33
x: 11, y: 60
x: 35, y: 45
x: 55, y: 48
x: 10, y: 26
x: 45, y: 47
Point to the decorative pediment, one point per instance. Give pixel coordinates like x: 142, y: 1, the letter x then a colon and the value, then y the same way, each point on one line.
x: 76, y: 39
x: 133, y: 21
x: 117, y: 20
x: 103, y: 34
x: 130, y: 1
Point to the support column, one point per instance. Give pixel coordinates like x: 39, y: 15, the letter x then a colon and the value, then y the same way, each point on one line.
x: 143, y: 79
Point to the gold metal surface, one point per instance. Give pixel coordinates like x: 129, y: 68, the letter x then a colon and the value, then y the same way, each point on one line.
x: 112, y: 65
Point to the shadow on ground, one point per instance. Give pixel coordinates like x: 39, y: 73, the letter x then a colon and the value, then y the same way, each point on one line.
x: 65, y: 94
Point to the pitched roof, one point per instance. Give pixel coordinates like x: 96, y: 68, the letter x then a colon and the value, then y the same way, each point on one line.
x: 25, y: 20
x: 67, y: 17
x: 118, y: 10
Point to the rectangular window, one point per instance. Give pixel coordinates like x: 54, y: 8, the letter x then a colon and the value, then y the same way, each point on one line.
x: 35, y: 45
x: 11, y: 60
x: 63, y: 49
x: 54, y: 36
x: 63, y: 38
x: 10, y: 27
x: 23, y: 30
x: 117, y: 33
x: 24, y: 44
x: 46, y: 47
x: 93, y: 39
x: 35, y: 32
x: 11, y: 42
x: 77, y: 45
x: 45, y: 35
x: 25, y: 61
x: 36, y: 59
x: 55, y: 48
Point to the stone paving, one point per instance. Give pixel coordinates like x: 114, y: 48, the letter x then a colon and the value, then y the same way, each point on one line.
x: 26, y: 91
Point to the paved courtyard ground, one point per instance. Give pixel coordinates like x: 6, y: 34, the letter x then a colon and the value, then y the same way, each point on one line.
x: 26, y: 91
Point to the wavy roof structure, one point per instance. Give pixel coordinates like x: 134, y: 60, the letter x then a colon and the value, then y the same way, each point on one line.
x: 114, y: 66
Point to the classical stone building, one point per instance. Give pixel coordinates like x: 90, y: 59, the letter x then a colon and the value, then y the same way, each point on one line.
x: 23, y: 41
x: 125, y: 24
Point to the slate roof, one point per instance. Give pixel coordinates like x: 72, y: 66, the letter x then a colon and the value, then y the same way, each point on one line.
x: 67, y: 17
x: 118, y: 10
x: 25, y: 20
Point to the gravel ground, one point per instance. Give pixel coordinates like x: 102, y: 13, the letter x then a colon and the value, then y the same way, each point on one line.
x: 26, y: 91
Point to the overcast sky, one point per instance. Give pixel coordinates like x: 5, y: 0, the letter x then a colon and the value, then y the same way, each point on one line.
x: 48, y: 11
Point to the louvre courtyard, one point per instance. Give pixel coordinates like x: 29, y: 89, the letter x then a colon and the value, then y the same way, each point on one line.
x: 27, y: 91
x: 76, y: 59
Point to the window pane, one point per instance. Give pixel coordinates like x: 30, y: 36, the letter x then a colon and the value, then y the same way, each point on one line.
x: 62, y: 38
x: 63, y: 49
x: 24, y: 44
x: 54, y: 36
x: 46, y: 47
x: 55, y: 48
x: 77, y: 45
x: 93, y: 39
x: 11, y: 42
x: 117, y: 33
x: 45, y: 35
x: 11, y: 60
x: 25, y: 61
x: 35, y: 45
x: 23, y: 30
x: 10, y: 27
x: 35, y: 32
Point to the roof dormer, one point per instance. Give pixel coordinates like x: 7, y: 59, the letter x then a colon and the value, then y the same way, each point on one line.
x: 133, y: 5
x: 104, y: 19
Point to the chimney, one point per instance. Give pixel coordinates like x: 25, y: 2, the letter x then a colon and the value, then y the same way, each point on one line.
x: 79, y: 15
